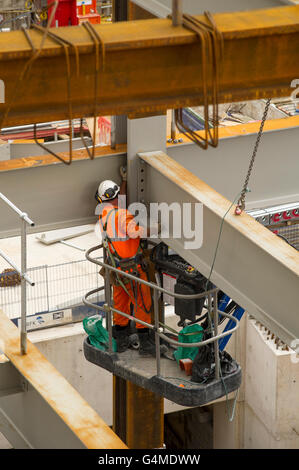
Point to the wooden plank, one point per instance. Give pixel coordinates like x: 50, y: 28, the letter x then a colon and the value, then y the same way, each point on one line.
x: 43, y: 160
x: 90, y: 429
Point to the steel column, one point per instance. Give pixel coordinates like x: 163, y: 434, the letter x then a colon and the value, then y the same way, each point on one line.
x: 138, y: 415
x: 120, y: 10
x: 23, y: 287
x: 144, y: 134
x: 119, y: 123
x: 142, y: 420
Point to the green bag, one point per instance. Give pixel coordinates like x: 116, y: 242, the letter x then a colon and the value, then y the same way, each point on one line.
x: 97, y: 334
x: 189, y: 334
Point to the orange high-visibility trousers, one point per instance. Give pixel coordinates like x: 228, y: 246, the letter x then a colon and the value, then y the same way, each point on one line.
x: 123, y: 301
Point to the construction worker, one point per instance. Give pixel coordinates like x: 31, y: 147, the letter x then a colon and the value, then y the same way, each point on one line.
x: 121, y: 237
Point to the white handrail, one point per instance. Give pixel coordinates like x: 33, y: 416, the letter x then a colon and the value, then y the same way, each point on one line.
x: 23, y: 271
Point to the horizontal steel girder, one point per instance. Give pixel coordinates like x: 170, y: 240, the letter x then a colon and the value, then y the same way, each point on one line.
x: 149, y: 66
x: 46, y: 398
x: 253, y: 266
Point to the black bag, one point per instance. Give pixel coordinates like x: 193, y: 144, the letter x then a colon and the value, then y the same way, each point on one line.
x: 203, y: 368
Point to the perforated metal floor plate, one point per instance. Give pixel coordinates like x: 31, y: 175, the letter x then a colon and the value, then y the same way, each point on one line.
x: 172, y: 384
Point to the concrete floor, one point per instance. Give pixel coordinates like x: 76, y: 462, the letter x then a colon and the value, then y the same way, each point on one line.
x: 39, y: 254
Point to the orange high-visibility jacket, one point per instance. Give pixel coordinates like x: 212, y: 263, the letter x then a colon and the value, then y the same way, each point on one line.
x: 123, y: 234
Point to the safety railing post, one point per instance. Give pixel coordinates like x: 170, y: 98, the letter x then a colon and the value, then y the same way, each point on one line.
x: 108, y: 303
x: 23, y: 271
x: 23, y: 287
x: 47, y: 288
x: 173, y: 126
x: 216, y: 344
x: 157, y: 337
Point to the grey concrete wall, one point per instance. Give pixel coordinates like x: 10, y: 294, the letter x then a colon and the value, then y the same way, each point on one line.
x: 20, y: 150
x: 274, y: 179
x: 58, y: 196
x: 195, y: 7
x: 55, y: 195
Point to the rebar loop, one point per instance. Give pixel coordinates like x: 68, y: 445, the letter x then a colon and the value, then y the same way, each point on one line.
x: 211, y: 43
x: 25, y: 71
x: 65, y: 44
x: 97, y: 42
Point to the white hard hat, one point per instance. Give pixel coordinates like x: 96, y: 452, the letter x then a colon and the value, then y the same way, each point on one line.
x: 107, y: 190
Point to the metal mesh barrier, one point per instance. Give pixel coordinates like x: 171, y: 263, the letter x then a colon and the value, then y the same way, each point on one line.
x: 56, y: 287
x: 289, y: 232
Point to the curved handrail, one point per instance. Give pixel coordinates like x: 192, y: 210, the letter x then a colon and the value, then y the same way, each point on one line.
x: 147, y: 283
x: 152, y: 327
x: 161, y: 289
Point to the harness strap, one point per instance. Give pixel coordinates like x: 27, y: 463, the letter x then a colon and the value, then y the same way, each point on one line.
x: 110, y: 241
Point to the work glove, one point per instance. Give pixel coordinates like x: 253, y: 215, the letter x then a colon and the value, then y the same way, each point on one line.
x: 123, y: 172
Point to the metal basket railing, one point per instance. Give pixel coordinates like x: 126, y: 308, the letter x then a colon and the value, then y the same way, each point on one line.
x: 159, y: 331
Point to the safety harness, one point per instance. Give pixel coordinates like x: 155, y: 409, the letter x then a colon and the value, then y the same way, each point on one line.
x: 129, y: 265
x: 126, y: 264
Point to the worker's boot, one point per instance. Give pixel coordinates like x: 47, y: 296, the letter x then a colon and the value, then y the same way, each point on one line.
x: 147, y: 346
x: 121, y: 334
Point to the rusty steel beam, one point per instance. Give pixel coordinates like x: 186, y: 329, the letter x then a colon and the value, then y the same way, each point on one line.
x: 46, y: 401
x: 149, y: 66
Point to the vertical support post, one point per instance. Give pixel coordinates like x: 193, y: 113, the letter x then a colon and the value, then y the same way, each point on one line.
x: 148, y: 134
x: 157, y: 337
x: 216, y: 344
x: 173, y: 126
x: 113, y: 132
x: 47, y: 287
x: 209, y: 310
x: 138, y: 415
x: 144, y: 416
x: 120, y: 12
x: 72, y: 135
x: 177, y: 12
x: 119, y: 407
x: 108, y: 302
x: 23, y: 287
